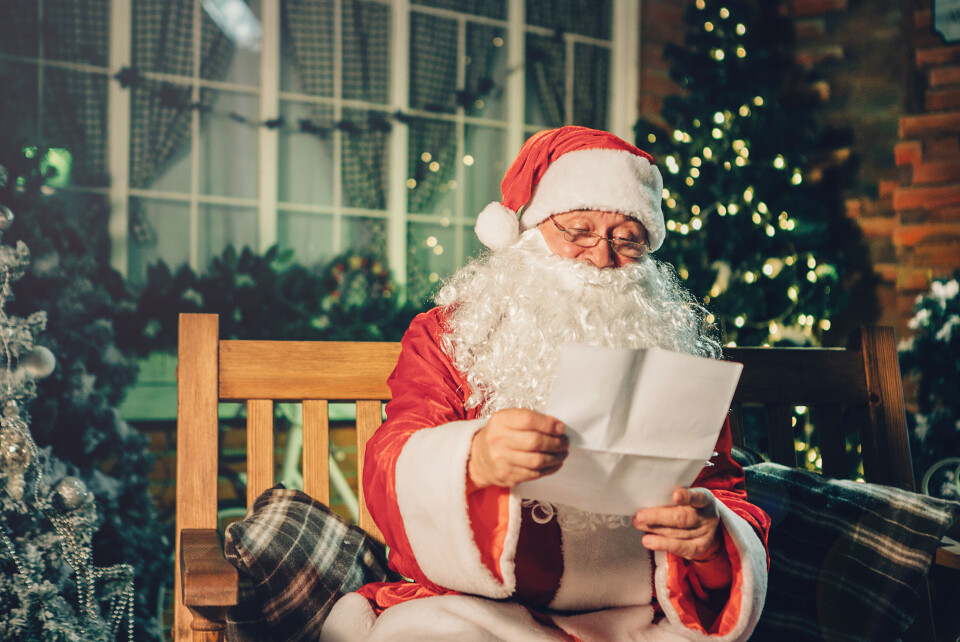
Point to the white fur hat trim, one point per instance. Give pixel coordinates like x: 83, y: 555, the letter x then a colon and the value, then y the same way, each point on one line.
x: 605, y: 180
x: 497, y: 226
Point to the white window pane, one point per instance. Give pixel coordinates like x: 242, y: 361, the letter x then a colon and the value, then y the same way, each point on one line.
x: 431, y: 166
x: 20, y: 80
x: 365, y: 235
x: 232, y: 63
x: 305, y: 174
x: 228, y: 147
x: 487, y: 8
x: 309, y: 235
x: 586, y: 17
x: 306, y: 42
x: 486, y: 72
x: 544, y: 81
x: 366, y: 51
x: 430, y: 257
x: 433, y: 63
x: 472, y: 247
x: 220, y: 226
x: 590, y: 88
x: 484, y: 167
x: 163, y: 235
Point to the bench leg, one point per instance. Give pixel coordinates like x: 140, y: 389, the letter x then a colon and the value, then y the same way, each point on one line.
x: 208, y: 623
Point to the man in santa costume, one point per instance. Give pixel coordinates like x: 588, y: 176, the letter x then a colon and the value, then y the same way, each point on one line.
x: 570, y: 262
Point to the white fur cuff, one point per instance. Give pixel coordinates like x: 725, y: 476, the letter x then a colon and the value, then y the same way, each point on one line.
x: 432, y: 496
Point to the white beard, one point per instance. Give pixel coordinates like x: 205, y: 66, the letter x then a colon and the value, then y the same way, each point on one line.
x: 510, y: 311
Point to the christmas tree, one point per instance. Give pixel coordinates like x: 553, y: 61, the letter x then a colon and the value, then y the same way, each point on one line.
x: 50, y: 588
x: 75, y: 416
x: 763, y: 247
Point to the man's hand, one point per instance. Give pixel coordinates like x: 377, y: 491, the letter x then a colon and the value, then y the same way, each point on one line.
x: 691, y: 529
x: 516, y: 445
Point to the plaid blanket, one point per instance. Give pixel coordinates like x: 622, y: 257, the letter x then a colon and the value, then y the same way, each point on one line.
x: 847, y: 560
x: 296, y: 558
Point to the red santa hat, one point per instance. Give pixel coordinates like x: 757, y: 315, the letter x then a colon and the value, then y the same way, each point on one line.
x: 574, y: 168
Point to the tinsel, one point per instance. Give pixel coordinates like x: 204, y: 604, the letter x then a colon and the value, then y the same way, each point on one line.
x: 45, y: 530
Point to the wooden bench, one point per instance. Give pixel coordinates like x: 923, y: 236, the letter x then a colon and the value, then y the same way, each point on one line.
x: 864, y: 378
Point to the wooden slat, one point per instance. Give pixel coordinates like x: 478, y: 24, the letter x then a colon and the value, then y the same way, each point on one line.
x: 887, y: 441
x: 369, y: 418
x: 780, y: 434
x: 316, y: 450
x: 833, y: 442
x: 196, y: 440
x: 798, y: 376
x: 259, y: 447
x: 298, y: 370
x: 736, y: 424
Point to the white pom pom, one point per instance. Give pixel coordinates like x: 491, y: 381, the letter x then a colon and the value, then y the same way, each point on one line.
x: 497, y: 226
x: 39, y: 363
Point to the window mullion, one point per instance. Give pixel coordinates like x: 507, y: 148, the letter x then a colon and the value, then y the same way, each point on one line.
x: 268, y: 137
x: 399, y: 141
x: 458, y: 199
x: 337, y: 132
x: 516, y: 45
x: 625, y: 68
x: 569, y: 69
x: 194, y: 248
x: 118, y: 135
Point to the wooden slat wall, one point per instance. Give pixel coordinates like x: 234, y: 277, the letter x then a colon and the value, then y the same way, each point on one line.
x: 369, y: 418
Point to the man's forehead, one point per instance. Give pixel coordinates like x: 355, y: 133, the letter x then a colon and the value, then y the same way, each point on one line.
x: 596, y: 216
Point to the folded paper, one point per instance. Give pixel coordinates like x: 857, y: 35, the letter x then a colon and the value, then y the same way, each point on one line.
x: 641, y: 423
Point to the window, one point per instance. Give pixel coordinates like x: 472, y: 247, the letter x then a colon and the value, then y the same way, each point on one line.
x: 357, y: 125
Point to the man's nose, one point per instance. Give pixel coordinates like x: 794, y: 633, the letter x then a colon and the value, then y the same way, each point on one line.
x: 601, y: 254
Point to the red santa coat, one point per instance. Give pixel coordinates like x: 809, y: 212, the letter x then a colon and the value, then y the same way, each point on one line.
x: 482, y: 569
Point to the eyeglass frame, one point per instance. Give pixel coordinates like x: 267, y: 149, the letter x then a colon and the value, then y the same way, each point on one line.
x: 612, y: 242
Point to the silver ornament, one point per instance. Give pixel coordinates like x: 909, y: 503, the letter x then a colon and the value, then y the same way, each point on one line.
x: 70, y: 493
x: 11, y: 408
x: 39, y: 363
x: 14, y: 451
x: 6, y: 217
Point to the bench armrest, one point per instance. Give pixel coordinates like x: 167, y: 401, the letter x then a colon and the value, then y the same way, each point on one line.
x: 209, y: 584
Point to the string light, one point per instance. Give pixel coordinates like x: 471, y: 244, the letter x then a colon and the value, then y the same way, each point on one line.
x: 744, y: 111
x: 717, y: 133
x: 724, y: 13
x: 758, y: 101
x: 468, y: 160
x: 695, y: 161
x: 792, y: 293
x: 695, y: 209
x: 741, y: 52
x: 797, y: 178
x: 707, y: 153
x: 718, y: 118
x: 739, y: 321
x: 721, y: 210
x: 770, y: 230
x: 696, y: 224
x: 740, y: 161
x: 778, y: 162
x: 733, y: 209
x: 741, y: 29
x: 694, y: 172
x: 651, y: 138
x: 708, y: 26
x: 426, y: 157
x: 689, y: 181
x: 717, y: 54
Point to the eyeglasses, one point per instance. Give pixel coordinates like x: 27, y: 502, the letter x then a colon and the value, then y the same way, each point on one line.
x: 585, y: 238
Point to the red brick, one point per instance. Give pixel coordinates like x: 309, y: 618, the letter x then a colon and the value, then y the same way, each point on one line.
x: 945, y: 256
x: 812, y: 56
x: 938, y: 233
x: 877, y: 226
x: 926, y: 197
x: 937, y: 56
x: 908, y: 152
x: 912, y: 278
x: 809, y: 29
x: 941, y: 148
x: 939, y: 76
x: 939, y: 99
x: 803, y: 8
x: 926, y: 124
x: 659, y: 84
x: 886, y: 271
x: 923, y: 18
x: 938, y: 172
x: 886, y: 189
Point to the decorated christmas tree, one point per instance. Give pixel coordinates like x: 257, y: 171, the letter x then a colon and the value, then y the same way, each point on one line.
x: 749, y: 233
x: 74, y: 416
x: 50, y: 588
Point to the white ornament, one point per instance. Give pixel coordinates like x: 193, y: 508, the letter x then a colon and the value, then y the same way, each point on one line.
x: 6, y: 217
x: 39, y: 363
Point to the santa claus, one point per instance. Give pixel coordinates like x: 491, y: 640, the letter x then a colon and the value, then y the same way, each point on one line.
x: 466, y: 425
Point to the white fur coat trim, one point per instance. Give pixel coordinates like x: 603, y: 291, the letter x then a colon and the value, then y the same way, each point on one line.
x: 753, y: 563
x: 431, y: 483
x: 606, y: 180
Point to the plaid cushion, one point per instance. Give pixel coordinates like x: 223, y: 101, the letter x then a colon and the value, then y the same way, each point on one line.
x: 296, y: 559
x: 847, y: 560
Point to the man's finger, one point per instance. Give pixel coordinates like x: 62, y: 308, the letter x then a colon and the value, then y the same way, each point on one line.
x: 668, y: 516
x: 695, y: 497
